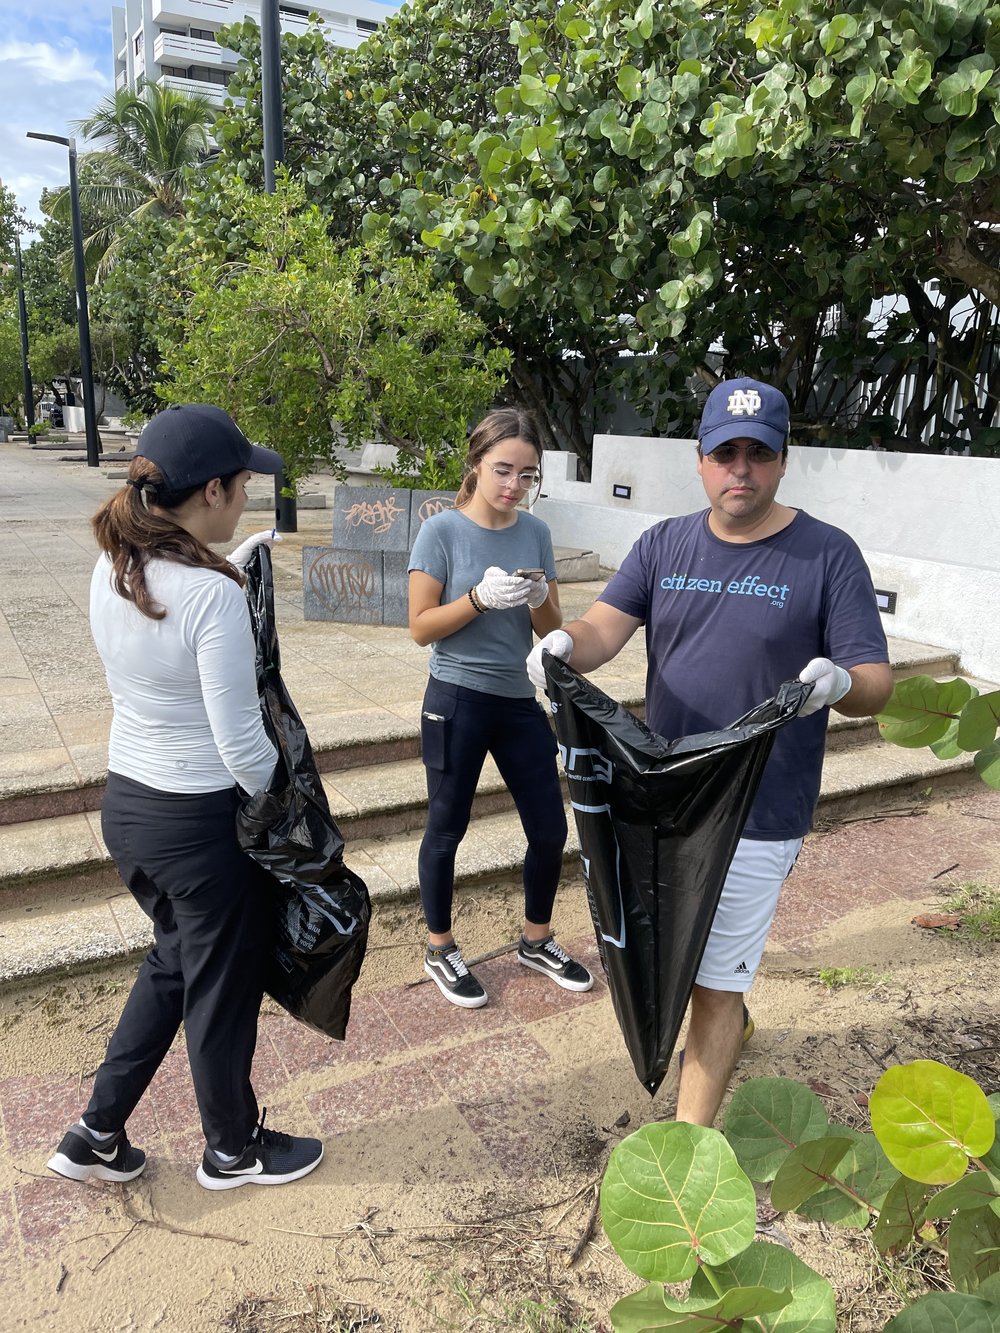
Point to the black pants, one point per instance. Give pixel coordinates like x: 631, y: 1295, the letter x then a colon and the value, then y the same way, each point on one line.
x: 458, y: 728
x: 207, y: 900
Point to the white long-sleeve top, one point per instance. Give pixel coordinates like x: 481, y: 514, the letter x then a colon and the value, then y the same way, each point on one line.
x: 186, y: 712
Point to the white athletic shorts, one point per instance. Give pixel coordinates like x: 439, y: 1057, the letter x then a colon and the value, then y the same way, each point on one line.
x: 746, y: 910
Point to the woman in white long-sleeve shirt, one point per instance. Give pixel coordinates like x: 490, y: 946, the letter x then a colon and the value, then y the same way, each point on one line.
x: 170, y: 620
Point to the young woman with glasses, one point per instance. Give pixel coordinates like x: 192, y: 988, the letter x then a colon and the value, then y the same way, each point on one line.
x: 482, y: 580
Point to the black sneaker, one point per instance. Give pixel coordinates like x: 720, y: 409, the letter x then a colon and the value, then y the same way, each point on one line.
x: 548, y: 957
x: 269, y: 1158
x: 83, y: 1156
x: 446, y: 967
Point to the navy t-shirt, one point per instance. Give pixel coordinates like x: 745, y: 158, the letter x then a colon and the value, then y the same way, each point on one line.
x: 727, y: 622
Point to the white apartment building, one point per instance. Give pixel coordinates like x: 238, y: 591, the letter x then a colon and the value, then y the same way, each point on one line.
x: 172, y: 42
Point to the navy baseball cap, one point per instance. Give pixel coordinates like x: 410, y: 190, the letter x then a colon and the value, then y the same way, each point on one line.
x: 744, y: 408
x: 193, y: 442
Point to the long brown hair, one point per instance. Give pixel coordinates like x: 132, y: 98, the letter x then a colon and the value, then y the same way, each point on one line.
x: 503, y: 423
x: 132, y: 534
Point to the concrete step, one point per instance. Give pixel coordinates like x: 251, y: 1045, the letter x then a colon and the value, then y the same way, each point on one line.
x: 62, y: 924
x: 363, y: 738
x: 386, y: 803
x: 62, y: 906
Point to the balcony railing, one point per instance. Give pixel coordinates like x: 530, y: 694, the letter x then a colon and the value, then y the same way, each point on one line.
x: 171, y: 49
x: 198, y: 12
x: 215, y: 92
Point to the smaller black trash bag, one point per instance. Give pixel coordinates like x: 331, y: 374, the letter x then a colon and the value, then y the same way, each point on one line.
x: 658, y: 822
x: 322, y: 908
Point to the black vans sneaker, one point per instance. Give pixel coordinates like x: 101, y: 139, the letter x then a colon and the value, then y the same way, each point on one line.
x: 548, y: 957
x: 83, y: 1156
x: 446, y: 967
x: 269, y: 1158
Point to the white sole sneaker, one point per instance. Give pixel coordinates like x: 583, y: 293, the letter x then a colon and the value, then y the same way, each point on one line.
x: 463, y: 1001
x: 65, y: 1166
x: 547, y: 971
x: 249, y: 1178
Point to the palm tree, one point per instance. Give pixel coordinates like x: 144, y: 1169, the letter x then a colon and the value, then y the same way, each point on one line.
x: 145, y: 143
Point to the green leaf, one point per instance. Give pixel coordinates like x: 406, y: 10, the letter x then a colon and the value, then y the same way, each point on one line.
x: 988, y: 765
x: 973, y: 1248
x: 900, y: 1215
x: 977, y: 727
x: 806, y: 1170
x: 976, y: 1189
x: 948, y: 747
x: 654, y: 1309
x: 947, y: 1312
x: 865, y: 1175
x: 673, y: 1197
x: 922, y: 709
x: 537, y: 140
x: 930, y: 1120
x: 629, y: 82
x: 812, y: 1308
x: 769, y: 1117
x: 532, y: 91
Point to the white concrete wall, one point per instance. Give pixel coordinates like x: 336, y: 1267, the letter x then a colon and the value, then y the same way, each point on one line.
x: 925, y: 523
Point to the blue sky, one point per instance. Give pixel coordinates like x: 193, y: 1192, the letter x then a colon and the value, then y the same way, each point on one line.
x: 55, y: 66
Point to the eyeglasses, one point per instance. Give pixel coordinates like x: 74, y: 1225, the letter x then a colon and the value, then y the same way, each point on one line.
x: 506, y: 474
x: 725, y: 454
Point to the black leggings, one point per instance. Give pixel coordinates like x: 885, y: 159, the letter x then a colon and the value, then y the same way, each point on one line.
x: 458, y: 728
x: 208, y: 902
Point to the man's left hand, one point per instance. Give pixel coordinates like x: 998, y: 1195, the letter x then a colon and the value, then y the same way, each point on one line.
x: 829, y: 681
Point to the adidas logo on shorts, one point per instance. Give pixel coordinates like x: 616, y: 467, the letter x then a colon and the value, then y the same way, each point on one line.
x: 741, y: 971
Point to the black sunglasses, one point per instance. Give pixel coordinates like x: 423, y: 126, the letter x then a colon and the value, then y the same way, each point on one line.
x: 756, y: 453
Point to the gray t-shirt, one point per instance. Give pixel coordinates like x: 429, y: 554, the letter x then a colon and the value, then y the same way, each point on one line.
x: 487, y: 654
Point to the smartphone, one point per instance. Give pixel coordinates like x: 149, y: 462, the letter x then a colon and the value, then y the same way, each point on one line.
x: 534, y: 574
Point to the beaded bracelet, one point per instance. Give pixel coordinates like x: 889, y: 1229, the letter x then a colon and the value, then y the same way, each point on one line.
x: 475, y: 602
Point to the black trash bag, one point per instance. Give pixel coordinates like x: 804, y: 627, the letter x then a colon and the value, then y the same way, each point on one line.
x: 658, y: 823
x: 322, y: 908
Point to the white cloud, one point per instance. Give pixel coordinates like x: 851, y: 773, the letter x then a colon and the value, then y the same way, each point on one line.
x: 47, y: 64
x: 47, y: 85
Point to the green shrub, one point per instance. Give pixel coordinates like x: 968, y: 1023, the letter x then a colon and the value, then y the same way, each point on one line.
x: 678, y: 1203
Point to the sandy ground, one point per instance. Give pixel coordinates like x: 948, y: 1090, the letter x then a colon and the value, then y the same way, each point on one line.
x: 402, y: 1229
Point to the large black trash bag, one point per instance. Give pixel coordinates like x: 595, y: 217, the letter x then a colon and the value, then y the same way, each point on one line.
x: 323, y: 908
x: 658, y: 823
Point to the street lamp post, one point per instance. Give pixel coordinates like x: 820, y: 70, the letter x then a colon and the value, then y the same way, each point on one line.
x: 285, y: 507
x: 22, y: 319
x: 82, y: 312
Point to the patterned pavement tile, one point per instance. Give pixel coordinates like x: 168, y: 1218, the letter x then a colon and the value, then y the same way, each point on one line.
x: 370, y: 1037
x: 480, y: 1072
x: 37, y: 1111
x: 424, y: 1016
x: 528, y: 995
x: 386, y: 1094
x: 45, y: 1208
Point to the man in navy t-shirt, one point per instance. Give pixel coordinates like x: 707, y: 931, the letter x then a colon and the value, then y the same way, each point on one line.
x: 736, y: 599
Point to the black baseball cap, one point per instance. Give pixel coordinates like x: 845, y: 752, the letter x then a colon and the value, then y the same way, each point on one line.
x: 193, y: 442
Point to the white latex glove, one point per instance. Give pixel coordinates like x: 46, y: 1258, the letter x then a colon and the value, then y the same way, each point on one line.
x: 241, y: 556
x: 559, y: 644
x: 538, y: 592
x: 829, y: 681
x: 500, y: 591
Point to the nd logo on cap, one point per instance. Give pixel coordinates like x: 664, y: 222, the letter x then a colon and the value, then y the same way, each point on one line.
x: 744, y: 403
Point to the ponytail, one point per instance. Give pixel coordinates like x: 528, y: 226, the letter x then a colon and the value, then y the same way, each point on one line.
x: 132, y: 533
